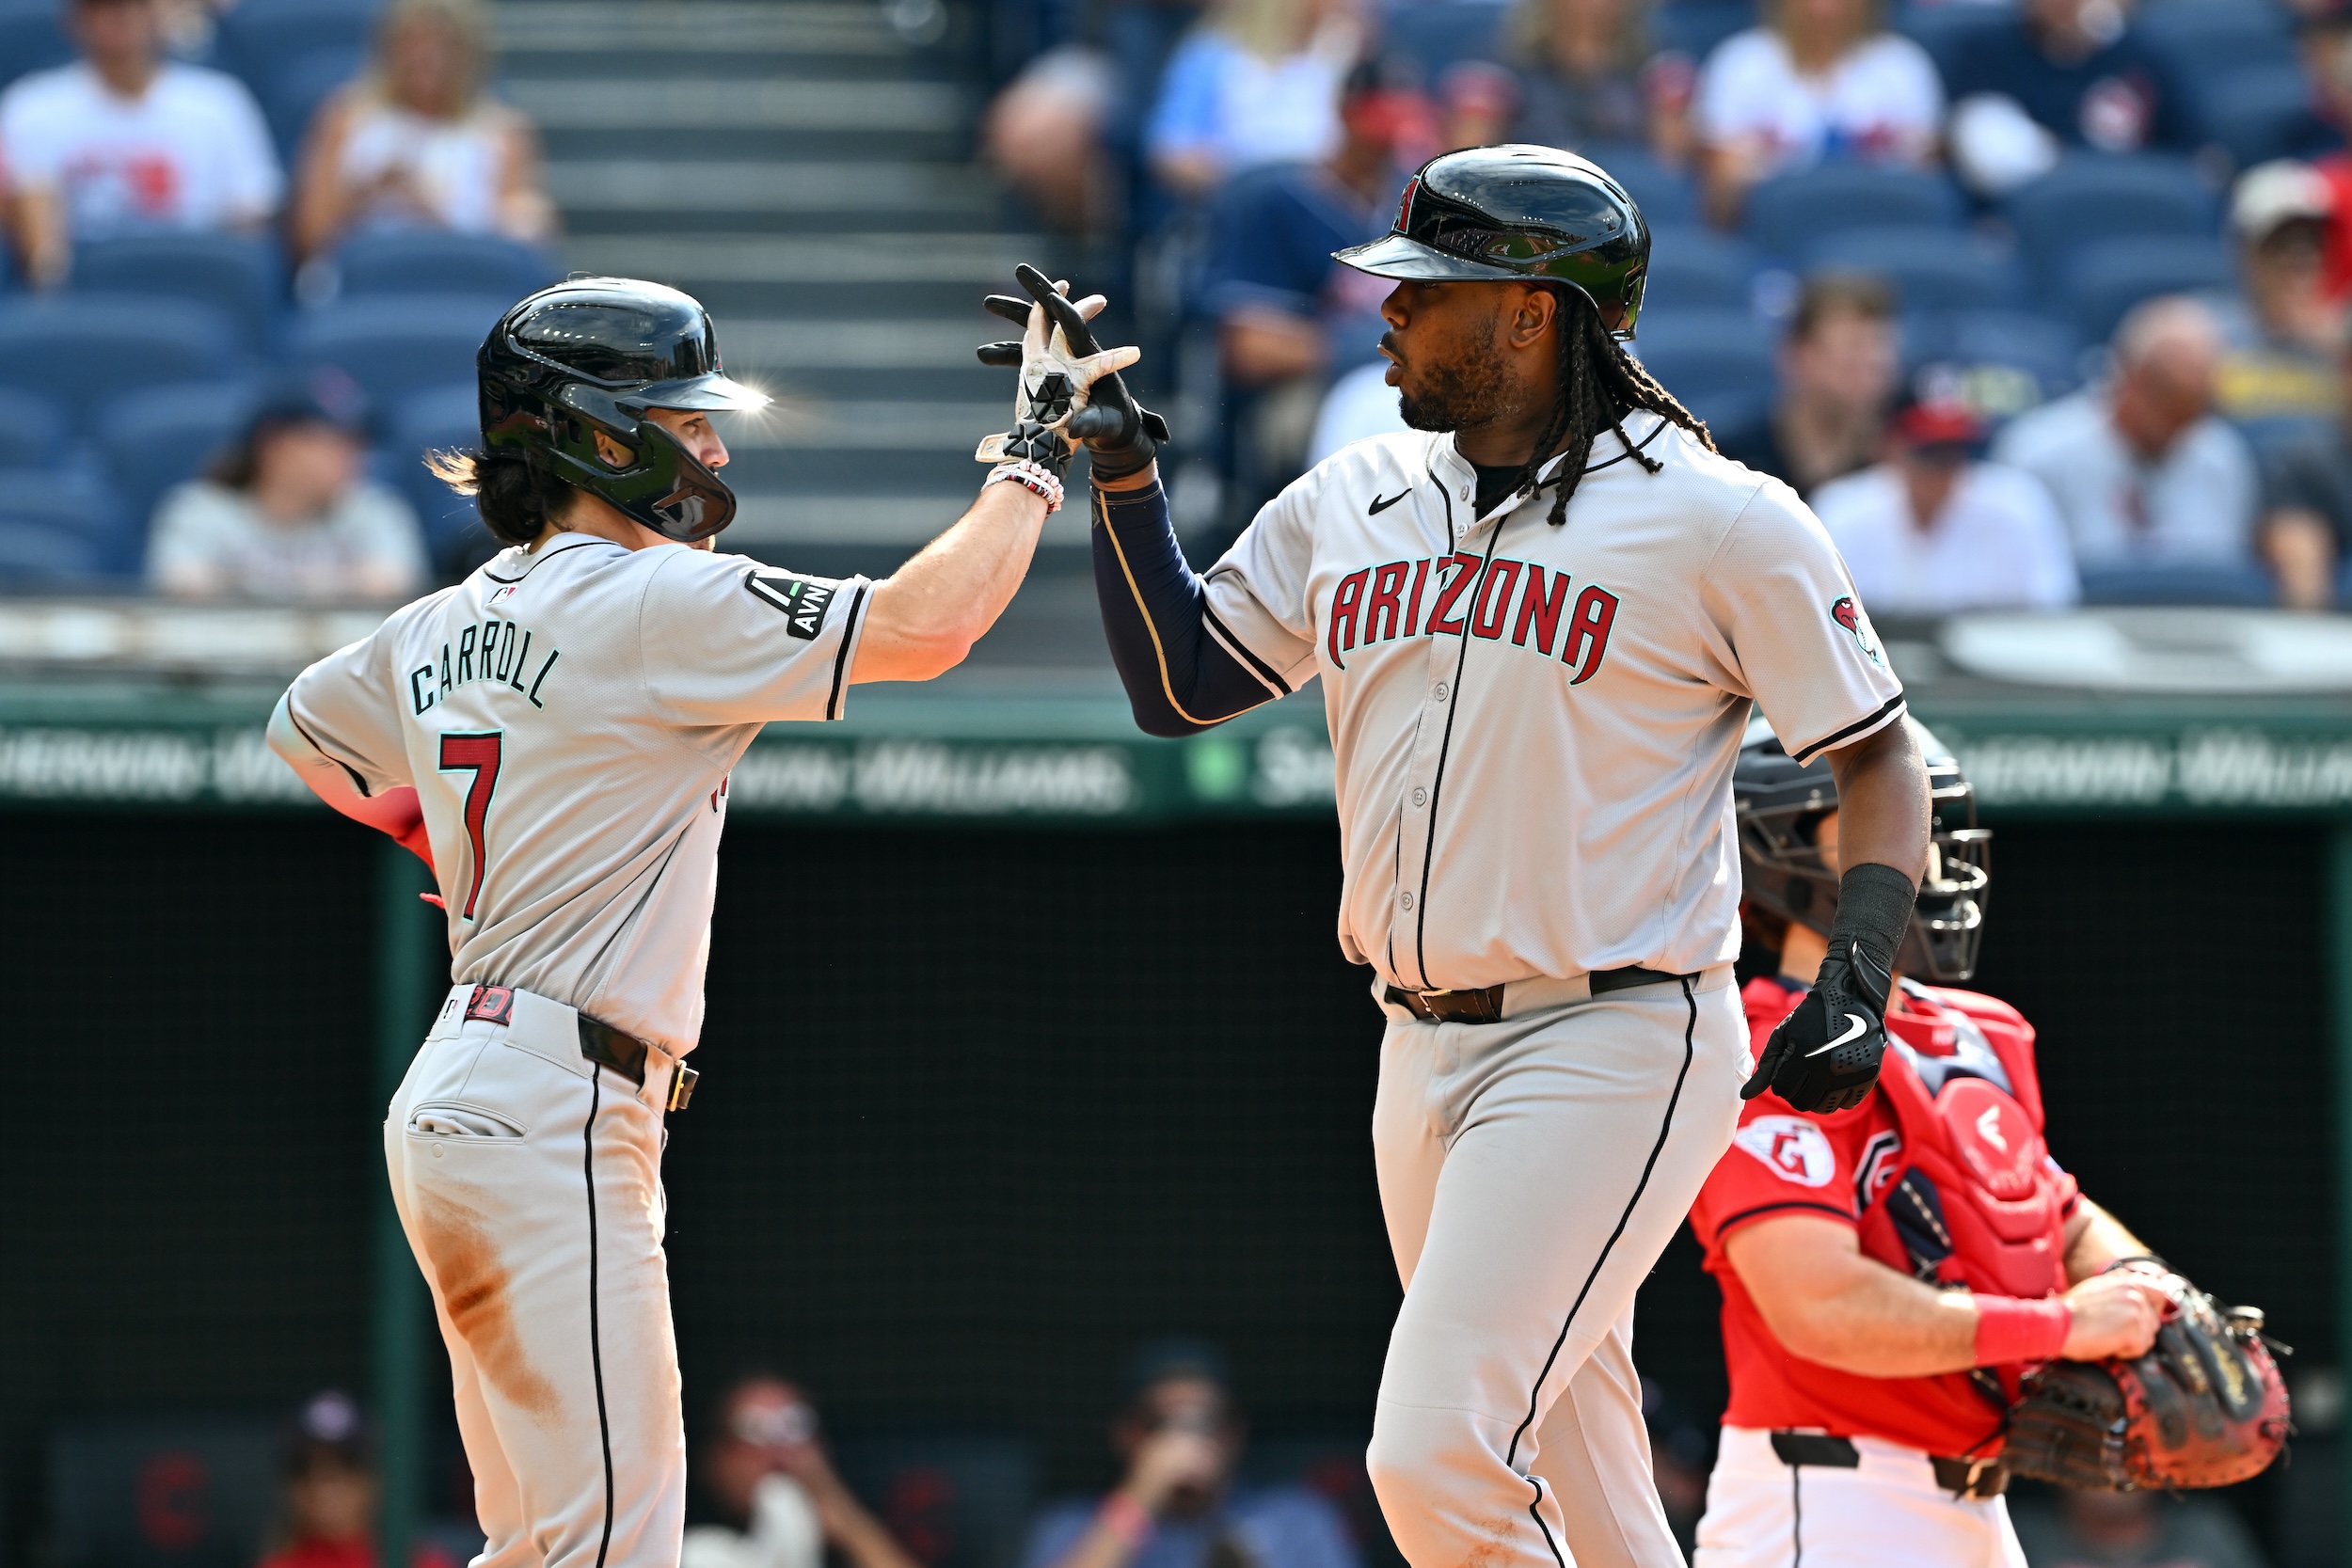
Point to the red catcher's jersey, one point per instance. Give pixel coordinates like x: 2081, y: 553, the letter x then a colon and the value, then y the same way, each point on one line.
x: 1840, y: 1166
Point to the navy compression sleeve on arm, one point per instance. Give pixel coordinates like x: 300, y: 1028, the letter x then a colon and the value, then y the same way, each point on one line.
x: 1181, y: 675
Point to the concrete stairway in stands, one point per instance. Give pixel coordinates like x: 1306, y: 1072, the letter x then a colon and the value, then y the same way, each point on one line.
x: 805, y: 168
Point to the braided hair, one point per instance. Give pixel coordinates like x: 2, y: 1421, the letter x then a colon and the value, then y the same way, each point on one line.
x: 1598, y: 384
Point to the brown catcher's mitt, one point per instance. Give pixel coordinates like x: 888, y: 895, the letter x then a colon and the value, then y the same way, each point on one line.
x: 2204, y: 1407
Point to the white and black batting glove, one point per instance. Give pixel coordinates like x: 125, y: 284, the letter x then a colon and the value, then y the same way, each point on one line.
x: 1825, y: 1056
x: 1070, y: 383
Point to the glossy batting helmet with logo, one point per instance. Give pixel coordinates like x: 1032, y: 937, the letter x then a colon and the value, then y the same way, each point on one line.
x: 1779, y: 804
x: 1488, y: 214
x: 595, y: 354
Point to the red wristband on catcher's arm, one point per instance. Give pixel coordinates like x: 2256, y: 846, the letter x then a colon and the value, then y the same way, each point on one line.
x: 2011, y: 1329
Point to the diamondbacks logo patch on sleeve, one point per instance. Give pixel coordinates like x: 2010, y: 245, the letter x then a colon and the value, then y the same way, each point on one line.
x: 801, y: 601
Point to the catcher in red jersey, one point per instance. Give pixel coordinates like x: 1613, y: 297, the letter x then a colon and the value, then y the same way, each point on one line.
x: 1893, y: 1277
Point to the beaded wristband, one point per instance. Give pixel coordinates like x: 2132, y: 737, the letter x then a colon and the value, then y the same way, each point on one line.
x: 1030, y: 476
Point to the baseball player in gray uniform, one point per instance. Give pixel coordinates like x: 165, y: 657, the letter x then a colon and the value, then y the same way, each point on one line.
x: 1540, y: 617
x: 554, y: 735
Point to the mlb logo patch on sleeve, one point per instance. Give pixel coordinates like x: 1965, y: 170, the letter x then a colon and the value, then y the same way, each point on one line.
x: 802, y: 601
x: 1793, y: 1147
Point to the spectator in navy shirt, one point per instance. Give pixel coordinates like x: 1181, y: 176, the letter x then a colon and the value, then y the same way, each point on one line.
x: 1288, y: 316
x: 1181, y: 1439
x: 2066, y: 73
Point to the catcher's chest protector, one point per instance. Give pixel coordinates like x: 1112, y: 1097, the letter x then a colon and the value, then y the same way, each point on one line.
x: 1977, y: 1202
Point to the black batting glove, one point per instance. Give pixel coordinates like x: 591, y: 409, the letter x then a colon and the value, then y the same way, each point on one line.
x: 1121, y: 437
x: 1825, y: 1056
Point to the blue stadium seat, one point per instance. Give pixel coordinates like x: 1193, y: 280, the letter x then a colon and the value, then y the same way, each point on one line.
x: 2263, y: 112
x: 1787, y: 216
x: 1695, y: 268
x: 2107, y: 277
x: 1665, y: 195
x: 290, y: 98
x: 92, y: 350
x: 37, y: 552
x: 443, y: 417
x: 2179, y: 585
x: 2005, y: 361
x: 1436, y: 33
x: 240, y: 275
x: 260, y: 38
x: 2199, y: 38
x: 33, y: 431
x: 1946, y: 30
x: 75, y: 503
x: 2091, y: 197
x: 152, y: 440
x: 393, y: 345
x: 1695, y: 27
x: 31, y: 38
x: 1735, y: 416
x: 427, y: 260
x: 1930, y: 269
x: 1700, y: 354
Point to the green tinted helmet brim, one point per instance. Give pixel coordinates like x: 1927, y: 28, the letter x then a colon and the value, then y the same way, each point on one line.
x: 1492, y: 215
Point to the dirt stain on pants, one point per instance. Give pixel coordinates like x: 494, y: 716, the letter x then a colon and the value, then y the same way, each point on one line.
x: 473, y: 1284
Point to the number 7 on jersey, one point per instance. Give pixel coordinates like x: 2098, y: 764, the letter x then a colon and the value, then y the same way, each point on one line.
x: 478, y: 752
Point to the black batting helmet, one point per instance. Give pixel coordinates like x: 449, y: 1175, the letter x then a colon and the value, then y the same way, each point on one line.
x: 1779, y: 804
x: 1488, y: 214
x: 595, y: 354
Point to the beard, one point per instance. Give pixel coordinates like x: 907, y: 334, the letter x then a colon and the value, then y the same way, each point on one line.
x: 1456, y: 394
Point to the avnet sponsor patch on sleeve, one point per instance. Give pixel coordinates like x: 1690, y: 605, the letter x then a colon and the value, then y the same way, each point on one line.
x: 802, y: 601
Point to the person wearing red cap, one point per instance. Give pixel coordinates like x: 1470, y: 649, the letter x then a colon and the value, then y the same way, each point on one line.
x: 1932, y: 529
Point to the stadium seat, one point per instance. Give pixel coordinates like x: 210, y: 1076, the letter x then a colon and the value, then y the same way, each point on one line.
x: 2105, y: 278
x: 1701, y: 354
x: 1787, y: 216
x: 1735, y: 416
x: 393, y: 345
x: 2092, y: 197
x: 2179, y: 585
x: 433, y: 262
x: 260, y: 38
x: 33, y: 431
x: 1436, y: 33
x: 953, y: 1501
x: 1664, y: 194
x: 240, y: 275
x: 75, y: 502
x: 2263, y: 112
x: 291, y: 99
x: 442, y: 418
x: 2203, y: 39
x: 30, y: 39
x: 1945, y: 30
x: 94, y: 349
x: 1930, y: 269
x: 1695, y: 268
x: 2003, y: 361
x: 152, y: 440
x: 40, y: 554
x: 1695, y: 27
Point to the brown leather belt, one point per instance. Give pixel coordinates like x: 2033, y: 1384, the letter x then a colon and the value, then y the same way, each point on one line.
x: 1962, y: 1478
x: 1486, y: 1006
x: 600, y: 1044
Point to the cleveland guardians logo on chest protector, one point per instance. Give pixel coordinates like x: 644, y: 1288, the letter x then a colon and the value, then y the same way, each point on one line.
x: 1464, y: 593
x: 803, y: 600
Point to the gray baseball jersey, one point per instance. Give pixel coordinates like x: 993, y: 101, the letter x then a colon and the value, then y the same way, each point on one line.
x: 568, y: 719
x: 1536, y: 727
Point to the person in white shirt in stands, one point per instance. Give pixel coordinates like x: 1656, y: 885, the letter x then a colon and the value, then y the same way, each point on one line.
x: 418, y: 141
x: 124, y: 140
x: 285, y: 513
x: 1932, y: 530
x: 1824, y: 80
x: 2144, y: 473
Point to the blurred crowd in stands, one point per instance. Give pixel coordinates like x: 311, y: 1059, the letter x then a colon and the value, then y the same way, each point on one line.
x: 2038, y: 301
x: 251, y: 252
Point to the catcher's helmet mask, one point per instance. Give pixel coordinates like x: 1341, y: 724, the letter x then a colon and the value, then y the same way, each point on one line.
x: 1536, y: 214
x: 595, y: 354
x: 1778, y: 803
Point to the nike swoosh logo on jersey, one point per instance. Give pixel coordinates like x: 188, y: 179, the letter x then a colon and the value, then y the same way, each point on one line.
x: 1855, y: 1026
x: 1379, y: 506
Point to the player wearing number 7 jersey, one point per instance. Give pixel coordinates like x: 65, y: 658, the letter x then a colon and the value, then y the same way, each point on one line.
x: 554, y: 735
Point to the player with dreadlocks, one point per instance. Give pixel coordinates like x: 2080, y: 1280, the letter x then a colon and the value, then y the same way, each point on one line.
x: 1540, y: 617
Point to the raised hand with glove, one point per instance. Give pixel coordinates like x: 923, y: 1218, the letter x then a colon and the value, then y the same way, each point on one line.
x: 1070, y: 388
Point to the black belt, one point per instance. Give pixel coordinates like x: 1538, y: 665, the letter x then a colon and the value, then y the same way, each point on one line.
x: 598, y: 1042
x: 1486, y: 1006
x: 1963, y: 1478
